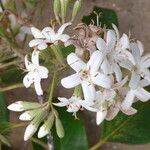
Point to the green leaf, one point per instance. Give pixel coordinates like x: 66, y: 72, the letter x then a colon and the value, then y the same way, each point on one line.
x: 75, y: 135
x: 131, y: 130
x: 4, y: 113
x: 108, y: 16
x: 13, y: 75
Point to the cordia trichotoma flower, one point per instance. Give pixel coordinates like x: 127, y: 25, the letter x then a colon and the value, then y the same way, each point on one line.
x: 48, y: 36
x: 35, y: 73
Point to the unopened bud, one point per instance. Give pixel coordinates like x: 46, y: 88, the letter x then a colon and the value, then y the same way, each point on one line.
x: 76, y: 9
x: 57, y: 8
x: 59, y: 128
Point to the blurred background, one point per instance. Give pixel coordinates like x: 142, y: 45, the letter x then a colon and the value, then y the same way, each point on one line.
x: 133, y: 16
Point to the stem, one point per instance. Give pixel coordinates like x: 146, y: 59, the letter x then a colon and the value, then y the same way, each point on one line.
x: 9, y: 64
x: 2, y: 6
x: 50, y: 142
x: 52, y: 87
x: 11, y: 87
x: 39, y: 142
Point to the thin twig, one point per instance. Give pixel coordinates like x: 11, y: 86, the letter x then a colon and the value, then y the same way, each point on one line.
x: 39, y: 142
x: 9, y: 64
x: 11, y: 87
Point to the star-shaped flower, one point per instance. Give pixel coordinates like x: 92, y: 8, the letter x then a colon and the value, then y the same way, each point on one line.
x: 35, y: 73
x: 48, y: 36
x: 88, y: 75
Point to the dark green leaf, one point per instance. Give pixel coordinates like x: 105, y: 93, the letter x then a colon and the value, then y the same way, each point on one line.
x: 75, y: 135
x: 3, y: 109
x: 108, y: 16
x: 131, y: 130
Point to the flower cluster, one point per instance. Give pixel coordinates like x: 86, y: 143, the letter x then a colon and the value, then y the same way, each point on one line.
x: 110, y: 80
x: 113, y: 78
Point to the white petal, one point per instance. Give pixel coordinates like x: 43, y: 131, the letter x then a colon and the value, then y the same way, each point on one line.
x: 142, y: 94
x: 28, y: 64
x: 17, y: 106
x: 29, y: 132
x: 63, y: 37
x: 88, y: 91
x: 116, y: 31
x: 134, y: 82
x: 63, y: 102
x: 42, y: 46
x: 25, y: 116
x: 101, y: 45
x: 130, y: 111
x: 128, y: 101
x: 38, y: 88
x: 124, y: 41
x: 43, y: 72
x: 36, y: 33
x: 126, y: 64
x: 35, y: 42
x: 87, y: 105
x: 71, y: 81
x: 101, y: 80
x: 42, y: 132
x: 100, y: 116
x: 111, y: 39
x: 95, y: 61
x: 27, y: 80
x: 75, y: 63
x: 141, y: 47
x: 62, y: 28
x: 112, y: 113
x: 48, y: 32
x: 35, y: 57
x: 106, y: 66
x: 117, y: 71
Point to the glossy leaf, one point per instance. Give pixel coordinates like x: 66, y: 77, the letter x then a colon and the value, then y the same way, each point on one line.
x: 131, y: 130
x: 108, y: 16
x: 75, y: 135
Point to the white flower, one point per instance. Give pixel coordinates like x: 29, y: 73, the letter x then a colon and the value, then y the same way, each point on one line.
x: 17, y: 106
x: 87, y: 75
x: 35, y: 73
x: 115, y: 52
x: 142, y: 63
x: 74, y: 104
x: 136, y: 90
x: 48, y: 36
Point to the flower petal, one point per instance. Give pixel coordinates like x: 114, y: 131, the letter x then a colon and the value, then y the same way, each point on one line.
x: 112, y: 113
x: 134, y: 82
x: 27, y: 80
x: 62, y: 28
x: 43, y: 72
x: 75, y: 63
x: 101, y: 80
x: 35, y: 42
x: 36, y: 33
x: 141, y: 47
x: 100, y: 116
x: 63, y: 37
x: 116, y: 31
x: 106, y: 67
x: 111, y: 40
x: 101, y: 45
x: 42, y: 46
x: 142, y: 94
x: 71, y: 81
x: 124, y: 41
x: 63, y: 102
x: 28, y: 64
x: 128, y: 101
x: 130, y: 111
x: 88, y: 91
x: 35, y: 57
x: 48, y: 32
x: 38, y: 88
x: 95, y: 61
x: 117, y: 72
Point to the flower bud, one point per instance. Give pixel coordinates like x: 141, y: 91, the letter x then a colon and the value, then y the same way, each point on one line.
x: 45, y: 129
x: 57, y: 8
x: 21, y: 106
x: 100, y: 116
x: 59, y: 128
x: 32, y: 128
x: 76, y: 9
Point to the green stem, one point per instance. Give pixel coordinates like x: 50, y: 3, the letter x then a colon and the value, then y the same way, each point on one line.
x: 52, y: 87
x: 39, y: 142
x: 11, y: 87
